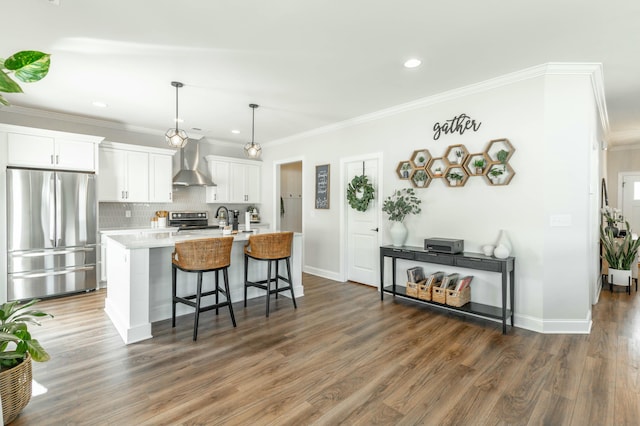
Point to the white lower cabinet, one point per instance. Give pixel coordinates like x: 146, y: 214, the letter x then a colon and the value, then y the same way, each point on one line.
x: 134, y: 174
x: 237, y: 180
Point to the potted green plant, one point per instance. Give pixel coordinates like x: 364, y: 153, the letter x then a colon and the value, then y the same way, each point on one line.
x: 421, y: 160
x: 455, y: 178
x: 17, y: 349
x: 437, y: 172
x: 496, y: 174
x: 502, y: 156
x: 459, y: 155
x: 420, y: 177
x: 405, y: 170
x: 620, y: 254
x: 27, y: 66
x: 479, y: 165
x: 398, y: 205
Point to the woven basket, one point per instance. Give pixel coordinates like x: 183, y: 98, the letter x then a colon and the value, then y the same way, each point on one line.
x: 412, y: 288
x: 438, y: 295
x: 15, y: 389
x: 275, y: 245
x: 424, y: 290
x: 458, y: 298
x: 200, y: 255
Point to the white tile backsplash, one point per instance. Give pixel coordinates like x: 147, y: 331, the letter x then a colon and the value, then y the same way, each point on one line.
x: 113, y: 215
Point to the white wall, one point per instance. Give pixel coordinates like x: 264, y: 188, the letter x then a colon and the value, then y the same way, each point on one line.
x: 549, y: 120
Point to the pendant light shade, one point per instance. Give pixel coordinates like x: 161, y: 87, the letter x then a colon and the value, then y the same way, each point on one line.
x: 176, y: 138
x: 252, y: 149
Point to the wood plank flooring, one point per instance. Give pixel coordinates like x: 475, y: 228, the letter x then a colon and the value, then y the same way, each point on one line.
x: 343, y: 357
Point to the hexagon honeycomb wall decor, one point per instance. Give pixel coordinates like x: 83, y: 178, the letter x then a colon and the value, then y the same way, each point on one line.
x: 457, y: 165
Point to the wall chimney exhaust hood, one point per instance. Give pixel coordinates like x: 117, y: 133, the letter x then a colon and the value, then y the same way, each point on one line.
x: 189, y: 175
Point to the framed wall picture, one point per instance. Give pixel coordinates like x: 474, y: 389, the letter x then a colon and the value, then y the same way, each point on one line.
x: 322, y: 186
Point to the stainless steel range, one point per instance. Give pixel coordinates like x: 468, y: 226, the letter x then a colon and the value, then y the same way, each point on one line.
x: 190, y: 220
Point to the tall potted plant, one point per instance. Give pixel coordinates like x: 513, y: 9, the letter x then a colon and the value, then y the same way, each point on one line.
x: 398, y: 205
x: 17, y: 349
x: 620, y: 254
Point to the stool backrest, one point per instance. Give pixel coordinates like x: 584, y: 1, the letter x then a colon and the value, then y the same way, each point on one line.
x: 276, y: 245
x: 209, y: 253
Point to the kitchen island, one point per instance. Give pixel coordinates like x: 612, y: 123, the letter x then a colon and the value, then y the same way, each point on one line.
x: 139, y: 278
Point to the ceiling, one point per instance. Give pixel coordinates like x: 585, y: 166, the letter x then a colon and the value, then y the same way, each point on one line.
x: 307, y: 63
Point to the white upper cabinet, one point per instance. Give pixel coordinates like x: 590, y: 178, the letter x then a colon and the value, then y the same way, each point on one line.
x: 237, y: 180
x: 132, y: 173
x: 160, y: 178
x: 219, y: 173
x: 245, y: 183
x: 46, y: 149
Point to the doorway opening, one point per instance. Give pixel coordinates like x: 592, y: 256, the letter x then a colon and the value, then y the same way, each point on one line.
x: 289, y: 187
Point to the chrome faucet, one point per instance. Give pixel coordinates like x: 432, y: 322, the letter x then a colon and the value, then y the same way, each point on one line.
x: 224, y: 218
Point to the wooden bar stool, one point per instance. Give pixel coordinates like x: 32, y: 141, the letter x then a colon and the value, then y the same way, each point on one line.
x: 199, y: 256
x: 272, y: 248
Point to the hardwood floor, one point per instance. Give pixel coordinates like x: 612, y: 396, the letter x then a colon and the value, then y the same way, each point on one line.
x: 343, y: 357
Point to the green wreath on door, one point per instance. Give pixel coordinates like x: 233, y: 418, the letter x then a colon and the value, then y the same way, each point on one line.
x: 359, y: 193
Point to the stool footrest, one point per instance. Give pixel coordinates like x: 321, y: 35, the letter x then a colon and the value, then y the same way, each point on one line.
x: 262, y: 285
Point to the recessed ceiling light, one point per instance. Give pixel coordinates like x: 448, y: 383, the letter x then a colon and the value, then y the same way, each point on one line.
x: 235, y: 132
x: 99, y: 104
x: 412, y: 63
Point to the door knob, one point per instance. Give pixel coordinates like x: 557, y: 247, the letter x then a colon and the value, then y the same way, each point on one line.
x: 375, y: 229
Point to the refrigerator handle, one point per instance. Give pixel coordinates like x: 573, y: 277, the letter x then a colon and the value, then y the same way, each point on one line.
x: 58, y: 211
x: 52, y: 214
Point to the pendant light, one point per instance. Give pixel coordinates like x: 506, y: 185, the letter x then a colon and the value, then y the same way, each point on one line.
x: 176, y: 138
x: 252, y: 149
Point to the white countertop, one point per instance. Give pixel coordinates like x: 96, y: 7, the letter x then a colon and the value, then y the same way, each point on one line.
x: 168, y: 239
x: 113, y: 231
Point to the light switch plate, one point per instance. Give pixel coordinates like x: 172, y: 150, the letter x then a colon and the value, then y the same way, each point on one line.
x: 560, y: 220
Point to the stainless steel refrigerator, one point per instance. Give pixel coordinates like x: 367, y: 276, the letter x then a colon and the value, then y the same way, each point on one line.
x: 51, y: 233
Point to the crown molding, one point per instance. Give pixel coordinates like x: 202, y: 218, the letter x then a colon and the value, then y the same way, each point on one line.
x: 76, y: 119
x: 552, y: 68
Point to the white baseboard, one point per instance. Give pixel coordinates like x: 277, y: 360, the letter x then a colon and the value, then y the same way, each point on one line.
x: 330, y: 275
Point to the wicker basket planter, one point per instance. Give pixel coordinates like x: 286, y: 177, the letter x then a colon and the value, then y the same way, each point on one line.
x: 15, y: 389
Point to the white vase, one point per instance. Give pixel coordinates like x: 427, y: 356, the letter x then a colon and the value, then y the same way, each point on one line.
x: 620, y: 276
x: 398, y: 234
x: 503, y: 246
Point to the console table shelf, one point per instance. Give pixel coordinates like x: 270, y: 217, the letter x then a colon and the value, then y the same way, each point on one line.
x: 506, y: 267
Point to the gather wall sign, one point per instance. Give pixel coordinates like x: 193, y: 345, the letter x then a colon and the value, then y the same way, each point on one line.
x: 458, y: 124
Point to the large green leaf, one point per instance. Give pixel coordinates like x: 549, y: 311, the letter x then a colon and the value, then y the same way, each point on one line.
x: 29, y: 65
x: 7, y: 85
x: 36, y: 351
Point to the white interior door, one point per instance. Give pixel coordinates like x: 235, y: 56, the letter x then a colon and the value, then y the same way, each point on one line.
x: 362, y: 228
x: 631, y: 201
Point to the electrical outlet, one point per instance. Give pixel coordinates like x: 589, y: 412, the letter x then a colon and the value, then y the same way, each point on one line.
x: 127, y: 213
